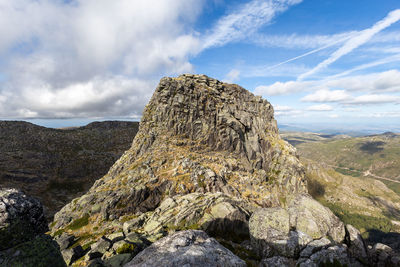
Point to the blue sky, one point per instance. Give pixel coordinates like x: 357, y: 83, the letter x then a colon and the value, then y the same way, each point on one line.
x: 333, y: 62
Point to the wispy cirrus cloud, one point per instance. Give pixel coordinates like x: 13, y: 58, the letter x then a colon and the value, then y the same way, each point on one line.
x: 355, y: 42
x: 246, y: 20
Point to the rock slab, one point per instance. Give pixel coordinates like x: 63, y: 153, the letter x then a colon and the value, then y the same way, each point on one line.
x: 186, y: 248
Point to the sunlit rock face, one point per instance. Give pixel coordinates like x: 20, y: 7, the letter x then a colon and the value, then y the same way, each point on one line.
x: 207, y: 154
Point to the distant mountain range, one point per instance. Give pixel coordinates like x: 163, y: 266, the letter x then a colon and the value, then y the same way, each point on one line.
x: 56, y: 165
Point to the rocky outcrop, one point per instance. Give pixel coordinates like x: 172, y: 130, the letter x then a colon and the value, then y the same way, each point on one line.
x: 286, y: 231
x: 22, y: 227
x: 304, y: 233
x: 21, y: 218
x: 206, y: 156
x: 186, y: 248
x: 57, y: 165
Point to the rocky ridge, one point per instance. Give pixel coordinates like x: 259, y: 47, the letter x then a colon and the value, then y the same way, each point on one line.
x: 207, y: 156
x: 57, y: 165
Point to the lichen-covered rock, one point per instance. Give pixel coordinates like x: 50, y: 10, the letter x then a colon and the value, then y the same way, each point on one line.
x: 21, y: 218
x: 286, y: 231
x: 276, y: 261
x: 215, y: 213
x: 186, y: 248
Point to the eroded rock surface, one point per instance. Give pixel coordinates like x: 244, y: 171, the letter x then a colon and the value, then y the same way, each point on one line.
x: 206, y: 156
x: 186, y: 248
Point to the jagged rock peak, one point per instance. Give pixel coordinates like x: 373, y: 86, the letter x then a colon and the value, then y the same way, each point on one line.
x: 206, y: 156
x: 213, y: 114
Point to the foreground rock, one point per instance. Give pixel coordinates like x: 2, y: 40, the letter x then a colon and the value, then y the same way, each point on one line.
x: 21, y: 218
x: 22, y: 227
x: 206, y: 156
x: 304, y: 233
x: 186, y: 248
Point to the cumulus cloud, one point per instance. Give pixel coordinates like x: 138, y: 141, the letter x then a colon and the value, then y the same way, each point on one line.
x: 322, y: 107
x: 336, y: 88
x: 281, y: 88
x: 373, y: 99
x: 93, y: 58
x: 325, y: 95
x: 355, y: 42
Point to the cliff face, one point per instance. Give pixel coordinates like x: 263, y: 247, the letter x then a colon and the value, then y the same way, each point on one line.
x: 206, y: 156
x: 57, y: 165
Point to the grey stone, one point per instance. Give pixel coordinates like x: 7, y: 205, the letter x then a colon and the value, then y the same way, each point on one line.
x: 186, y: 248
x: 65, y: 240
x: 356, y: 243
x: 21, y: 218
x: 276, y: 261
x: 72, y: 254
x: 315, y: 246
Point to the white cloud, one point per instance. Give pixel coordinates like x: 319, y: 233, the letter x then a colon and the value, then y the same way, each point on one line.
x: 282, y: 108
x: 373, y: 99
x: 387, y: 81
x: 322, y: 107
x: 325, y: 95
x: 104, y: 58
x: 232, y: 76
x: 336, y: 88
x: 245, y: 21
x: 354, y: 42
x: 333, y: 116
x: 280, y: 88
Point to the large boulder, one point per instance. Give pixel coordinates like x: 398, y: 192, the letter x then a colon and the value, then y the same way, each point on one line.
x: 215, y: 213
x: 286, y: 231
x: 186, y: 248
x: 21, y: 218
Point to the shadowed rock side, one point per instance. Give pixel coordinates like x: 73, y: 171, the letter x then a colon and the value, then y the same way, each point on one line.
x: 57, y: 165
x: 207, y: 156
x: 22, y: 227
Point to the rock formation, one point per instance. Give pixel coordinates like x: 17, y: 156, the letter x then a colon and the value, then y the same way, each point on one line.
x: 207, y: 151
x: 207, y: 157
x: 57, y: 165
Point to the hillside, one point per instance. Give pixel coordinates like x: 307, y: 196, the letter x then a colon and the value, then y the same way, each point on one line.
x: 57, y: 165
x: 342, y: 174
x: 374, y: 156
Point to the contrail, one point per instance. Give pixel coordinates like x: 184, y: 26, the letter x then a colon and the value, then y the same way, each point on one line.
x: 311, y: 52
x: 354, y: 42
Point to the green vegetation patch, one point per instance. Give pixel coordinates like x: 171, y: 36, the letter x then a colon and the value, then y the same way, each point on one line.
x: 362, y: 222
x: 79, y: 223
x: 126, y: 248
